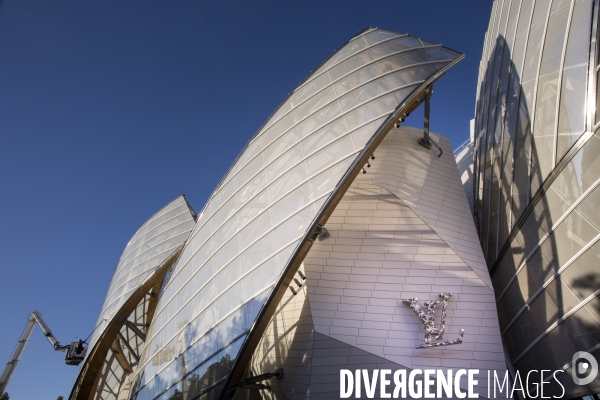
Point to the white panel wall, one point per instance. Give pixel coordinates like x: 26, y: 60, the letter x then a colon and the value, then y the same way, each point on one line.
x: 381, y: 250
x: 431, y: 187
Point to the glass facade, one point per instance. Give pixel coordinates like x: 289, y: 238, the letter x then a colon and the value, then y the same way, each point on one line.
x: 537, y: 170
x: 262, y: 211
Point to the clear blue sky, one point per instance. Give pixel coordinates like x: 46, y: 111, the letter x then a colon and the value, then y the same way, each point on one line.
x: 110, y: 109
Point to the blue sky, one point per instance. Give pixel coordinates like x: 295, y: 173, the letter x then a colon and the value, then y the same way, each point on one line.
x: 109, y: 110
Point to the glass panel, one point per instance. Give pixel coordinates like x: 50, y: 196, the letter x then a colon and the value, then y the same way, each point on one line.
x: 197, y: 238
x: 407, y: 42
x: 534, y: 46
x: 260, y: 251
x: 543, y: 132
x: 363, y: 94
x: 316, y: 102
x: 282, y: 110
x: 558, y: 5
x: 247, y: 198
x: 212, y: 371
x: 199, y: 378
x: 428, y: 43
x: 292, y: 202
x: 285, y: 161
x: 349, y: 65
x: 576, y: 178
x: 294, y: 227
x: 493, y: 215
x: 412, y: 75
x: 578, y: 46
x: 253, y: 149
x: 441, y: 53
x: 375, y: 108
x: 519, y: 53
x: 159, y: 225
x: 507, y: 160
x: 502, y: 18
x: 324, y: 135
x: 571, y: 120
x: 255, y: 229
x: 582, y: 276
x: 522, y: 154
x: 579, y: 332
x: 281, y: 145
x: 576, y: 231
x: 171, y: 209
x: 524, y: 16
x: 403, y: 60
x: 394, y: 46
x: 555, y: 41
x: 512, y: 20
x: 286, y: 182
x: 278, y: 128
x: 339, y: 149
x: 361, y: 136
x: 263, y: 275
x: 553, y: 303
x: 326, y: 181
x: 225, y: 212
x: 540, y: 12
x: 353, y: 47
x: 357, y: 78
x: 249, y: 170
x: 318, y: 119
x: 310, y: 89
x: 487, y: 181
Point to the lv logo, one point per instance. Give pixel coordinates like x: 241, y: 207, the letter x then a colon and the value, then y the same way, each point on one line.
x: 433, y: 334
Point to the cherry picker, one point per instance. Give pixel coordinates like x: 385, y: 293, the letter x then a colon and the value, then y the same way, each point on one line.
x: 75, y: 350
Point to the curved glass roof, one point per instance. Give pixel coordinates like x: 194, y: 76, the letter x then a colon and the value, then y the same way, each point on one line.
x: 154, y: 242
x: 265, y: 205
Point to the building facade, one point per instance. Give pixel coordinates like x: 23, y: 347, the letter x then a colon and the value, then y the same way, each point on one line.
x: 537, y: 170
x: 315, y: 253
x: 402, y: 230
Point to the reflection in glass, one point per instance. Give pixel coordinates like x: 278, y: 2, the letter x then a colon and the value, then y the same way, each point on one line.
x: 526, y: 122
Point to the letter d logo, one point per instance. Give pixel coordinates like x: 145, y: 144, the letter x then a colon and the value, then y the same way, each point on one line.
x: 581, y: 368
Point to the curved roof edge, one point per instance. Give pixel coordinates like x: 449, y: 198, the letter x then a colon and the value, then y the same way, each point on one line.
x: 255, y: 334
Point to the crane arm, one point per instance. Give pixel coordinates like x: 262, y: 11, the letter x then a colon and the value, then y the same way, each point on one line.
x: 75, y: 350
x: 11, y: 365
x: 47, y: 332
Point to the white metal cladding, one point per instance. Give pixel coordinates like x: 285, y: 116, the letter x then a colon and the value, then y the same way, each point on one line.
x: 262, y: 209
x: 151, y: 246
